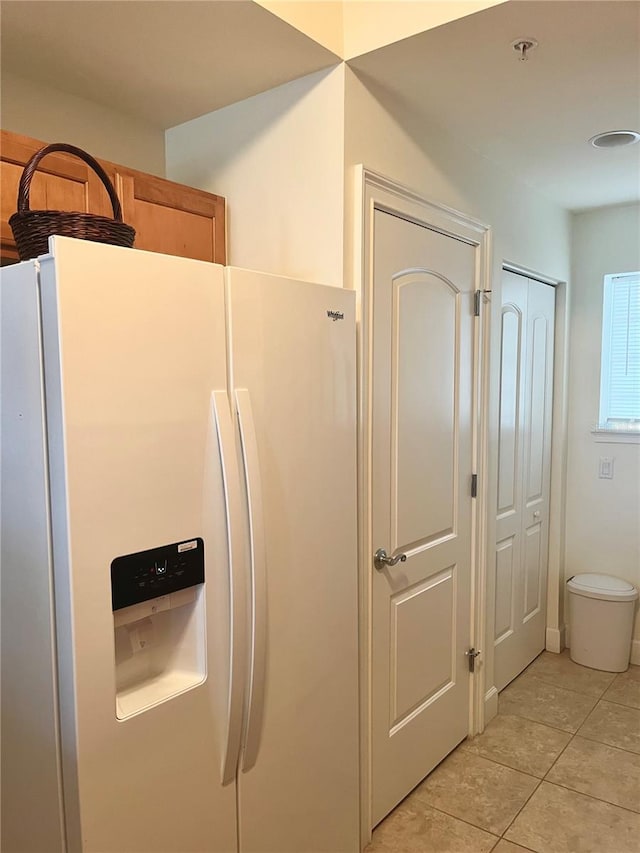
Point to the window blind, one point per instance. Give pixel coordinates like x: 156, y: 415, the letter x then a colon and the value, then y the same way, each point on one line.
x: 620, y: 372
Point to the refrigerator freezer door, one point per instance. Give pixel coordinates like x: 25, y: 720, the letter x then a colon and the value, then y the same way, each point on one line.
x: 134, y: 344
x: 293, y: 350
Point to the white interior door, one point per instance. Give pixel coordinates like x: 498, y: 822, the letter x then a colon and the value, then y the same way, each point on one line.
x: 524, y: 456
x: 421, y: 501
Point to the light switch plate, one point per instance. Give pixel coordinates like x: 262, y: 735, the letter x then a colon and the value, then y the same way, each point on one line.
x: 605, y: 469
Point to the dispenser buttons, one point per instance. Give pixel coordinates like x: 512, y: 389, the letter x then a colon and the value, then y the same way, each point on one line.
x: 145, y: 575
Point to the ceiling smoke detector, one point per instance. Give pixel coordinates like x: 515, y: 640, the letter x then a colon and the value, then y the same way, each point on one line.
x: 615, y: 138
x: 523, y: 46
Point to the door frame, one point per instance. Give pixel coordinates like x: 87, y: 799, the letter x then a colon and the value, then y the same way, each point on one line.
x: 376, y: 192
x: 555, y: 626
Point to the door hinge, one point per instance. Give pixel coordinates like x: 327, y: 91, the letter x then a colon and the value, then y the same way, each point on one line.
x: 477, y: 301
x: 472, y: 654
x: 474, y: 485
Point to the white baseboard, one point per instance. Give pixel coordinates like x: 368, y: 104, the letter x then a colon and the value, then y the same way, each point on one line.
x: 556, y: 639
x: 490, y: 705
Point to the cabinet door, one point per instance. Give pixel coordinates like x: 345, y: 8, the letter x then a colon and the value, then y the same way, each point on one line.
x: 172, y: 218
x: 62, y: 182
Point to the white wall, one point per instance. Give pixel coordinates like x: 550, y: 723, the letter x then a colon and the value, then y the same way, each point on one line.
x: 284, y: 160
x: 53, y: 116
x: 603, y: 516
x: 350, y: 29
x: 321, y: 20
x: 278, y: 160
x: 527, y: 229
x: 370, y: 24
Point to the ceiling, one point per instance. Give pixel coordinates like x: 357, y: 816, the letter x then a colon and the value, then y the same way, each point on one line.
x: 533, y: 118
x: 164, y: 62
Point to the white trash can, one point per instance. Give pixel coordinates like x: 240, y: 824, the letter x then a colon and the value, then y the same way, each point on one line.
x: 601, y: 610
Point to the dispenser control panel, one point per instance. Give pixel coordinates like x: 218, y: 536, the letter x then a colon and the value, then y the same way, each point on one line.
x: 148, y: 574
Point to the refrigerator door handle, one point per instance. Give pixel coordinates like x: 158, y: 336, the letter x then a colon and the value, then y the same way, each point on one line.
x: 237, y: 582
x: 258, y: 592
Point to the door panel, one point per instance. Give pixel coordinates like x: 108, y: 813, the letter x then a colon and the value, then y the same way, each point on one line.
x: 504, y: 587
x: 536, y: 412
x: 508, y: 440
x: 424, y: 427
x: 532, y: 571
x: 421, y: 501
x: 524, y: 454
x: 417, y: 679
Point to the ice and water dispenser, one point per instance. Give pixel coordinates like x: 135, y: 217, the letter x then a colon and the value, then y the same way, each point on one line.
x: 159, y: 628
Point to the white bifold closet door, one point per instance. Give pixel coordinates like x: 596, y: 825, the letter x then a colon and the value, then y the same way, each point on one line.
x: 524, y: 473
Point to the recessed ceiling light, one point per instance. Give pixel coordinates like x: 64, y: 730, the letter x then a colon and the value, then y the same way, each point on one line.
x: 615, y: 138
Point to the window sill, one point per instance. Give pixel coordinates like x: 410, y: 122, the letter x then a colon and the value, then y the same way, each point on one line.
x: 616, y: 436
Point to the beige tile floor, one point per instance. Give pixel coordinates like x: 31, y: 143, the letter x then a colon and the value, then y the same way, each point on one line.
x: 557, y: 771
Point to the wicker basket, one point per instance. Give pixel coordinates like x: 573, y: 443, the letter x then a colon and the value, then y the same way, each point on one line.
x: 32, y: 228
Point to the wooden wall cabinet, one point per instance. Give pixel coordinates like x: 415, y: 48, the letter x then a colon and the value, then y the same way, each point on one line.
x: 170, y: 218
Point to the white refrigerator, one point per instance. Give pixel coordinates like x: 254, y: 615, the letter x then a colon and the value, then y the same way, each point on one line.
x: 179, y: 574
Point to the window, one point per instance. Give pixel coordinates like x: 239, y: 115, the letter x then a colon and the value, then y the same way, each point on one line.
x: 620, y: 366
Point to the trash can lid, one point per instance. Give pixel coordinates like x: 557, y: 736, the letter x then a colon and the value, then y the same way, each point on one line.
x: 604, y: 587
